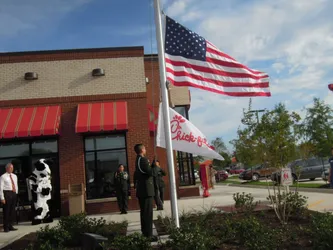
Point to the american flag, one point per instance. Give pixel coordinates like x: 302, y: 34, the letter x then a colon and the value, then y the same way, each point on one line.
x: 193, y: 61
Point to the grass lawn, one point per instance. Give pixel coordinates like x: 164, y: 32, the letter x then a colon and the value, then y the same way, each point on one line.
x: 233, y: 177
x: 258, y: 183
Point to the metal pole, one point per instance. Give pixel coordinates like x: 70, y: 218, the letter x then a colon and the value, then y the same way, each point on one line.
x: 166, y: 115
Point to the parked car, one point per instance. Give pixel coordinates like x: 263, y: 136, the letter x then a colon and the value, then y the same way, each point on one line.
x: 311, y: 168
x: 257, y: 172
x: 236, y: 170
x: 221, y: 175
x: 325, y: 174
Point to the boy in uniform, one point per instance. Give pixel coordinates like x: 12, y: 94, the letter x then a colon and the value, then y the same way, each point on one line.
x: 122, y: 183
x: 144, y: 185
x: 159, y: 185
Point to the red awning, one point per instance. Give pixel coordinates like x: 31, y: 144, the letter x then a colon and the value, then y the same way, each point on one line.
x: 97, y: 117
x: 29, y: 121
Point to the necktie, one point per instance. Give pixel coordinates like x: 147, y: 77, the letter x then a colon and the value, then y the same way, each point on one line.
x: 13, y: 185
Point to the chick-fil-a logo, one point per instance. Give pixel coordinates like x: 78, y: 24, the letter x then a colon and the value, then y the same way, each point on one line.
x: 179, y: 135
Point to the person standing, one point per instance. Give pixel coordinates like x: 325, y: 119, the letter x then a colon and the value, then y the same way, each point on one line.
x: 143, y: 182
x: 122, y: 183
x: 330, y: 175
x: 8, y: 197
x: 159, y: 185
x: 212, y: 172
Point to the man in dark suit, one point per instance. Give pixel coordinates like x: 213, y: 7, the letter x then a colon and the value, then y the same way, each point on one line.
x: 144, y: 185
x: 159, y: 185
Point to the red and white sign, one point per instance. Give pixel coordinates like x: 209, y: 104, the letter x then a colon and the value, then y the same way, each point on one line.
x: 185, y: 136
x: 286, y: 177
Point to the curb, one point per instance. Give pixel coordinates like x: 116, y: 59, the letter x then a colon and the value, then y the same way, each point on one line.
x: 310, y: 190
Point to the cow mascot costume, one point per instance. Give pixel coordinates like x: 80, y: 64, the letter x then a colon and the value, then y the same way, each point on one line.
x: 41, y: 187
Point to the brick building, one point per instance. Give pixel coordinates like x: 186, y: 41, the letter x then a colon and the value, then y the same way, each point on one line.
x: 85, y: 109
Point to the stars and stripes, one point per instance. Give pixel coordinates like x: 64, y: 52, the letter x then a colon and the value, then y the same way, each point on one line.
x: 194, y: 62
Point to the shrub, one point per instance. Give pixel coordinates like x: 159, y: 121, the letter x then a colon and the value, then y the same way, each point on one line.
x: 254, y: 235
x: 322, y: 231
x: 134, y: 241
x: 286, y: 204
x: 51, y: 238
x: 296, y: 203
x: 111, y: 229
x: 78, y: 224
x: 70, y: 229
x: 191, y: 237
x: 75, y: 225
x: 244, y: 202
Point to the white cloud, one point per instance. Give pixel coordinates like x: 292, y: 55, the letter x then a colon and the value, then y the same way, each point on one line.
x: 329, y: 98
x: 278, y: 66
x: 291, y: 40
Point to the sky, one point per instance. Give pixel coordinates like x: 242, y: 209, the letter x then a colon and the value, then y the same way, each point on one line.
x: 291, y: 40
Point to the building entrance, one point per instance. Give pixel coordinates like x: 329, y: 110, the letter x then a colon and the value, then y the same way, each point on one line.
x: 23, y: 155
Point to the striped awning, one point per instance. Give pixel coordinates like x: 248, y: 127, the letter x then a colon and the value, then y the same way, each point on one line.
x: 98, y: 117
x: 29, y: 121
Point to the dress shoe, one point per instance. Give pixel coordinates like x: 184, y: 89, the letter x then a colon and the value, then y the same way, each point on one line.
x: 12, y: 229
x: 6, y: 230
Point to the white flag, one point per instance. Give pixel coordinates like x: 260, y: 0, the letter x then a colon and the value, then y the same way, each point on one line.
x: 185, y: 136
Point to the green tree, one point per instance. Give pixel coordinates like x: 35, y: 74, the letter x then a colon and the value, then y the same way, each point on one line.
x: 277, y: 133
x: 246, y: 145
x: 221, y: 148
x: 317, y: 127
x: 197, y: 159
x: 276, y: 130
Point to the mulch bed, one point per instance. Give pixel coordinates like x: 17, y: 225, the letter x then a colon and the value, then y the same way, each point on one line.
x: 266, y: 216
x: 232, y: 209
x: 24, y: 242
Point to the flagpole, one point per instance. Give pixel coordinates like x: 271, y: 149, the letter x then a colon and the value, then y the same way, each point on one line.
x: 166, y: 115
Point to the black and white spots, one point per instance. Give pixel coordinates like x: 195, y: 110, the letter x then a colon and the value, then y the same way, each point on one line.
x: 41, y: 188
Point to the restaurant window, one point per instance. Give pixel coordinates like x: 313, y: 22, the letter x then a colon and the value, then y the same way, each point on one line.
x: 185, y: 164
x: 183, y: 110
x: 44, y: 147
x: 185, y: 168
x: 103, y: 154
x: 14, y: 150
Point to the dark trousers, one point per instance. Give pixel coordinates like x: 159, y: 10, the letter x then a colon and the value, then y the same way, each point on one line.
x: 9, y: 209
x: 122, y: 198
x: 161, y: 190
x: 159, y: 200
x: 146, y: 216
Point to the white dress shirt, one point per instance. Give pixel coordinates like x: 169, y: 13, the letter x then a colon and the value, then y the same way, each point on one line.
x: 6, y: 184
